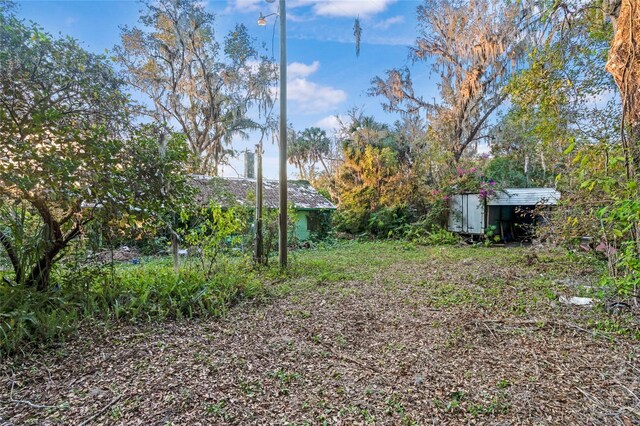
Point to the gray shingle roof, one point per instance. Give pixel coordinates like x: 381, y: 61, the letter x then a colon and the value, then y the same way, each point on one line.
x: 228, y: 191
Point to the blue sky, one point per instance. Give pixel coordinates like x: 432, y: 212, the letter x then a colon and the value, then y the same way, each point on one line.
x: 325, y: 76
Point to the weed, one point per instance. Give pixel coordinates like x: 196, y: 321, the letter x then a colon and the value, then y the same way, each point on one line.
x: 394, y: 404
x: 217, y: 409
x: 286, y: 378
x: 503, y: 384
x: 251, y: 388
x: 453, y: 404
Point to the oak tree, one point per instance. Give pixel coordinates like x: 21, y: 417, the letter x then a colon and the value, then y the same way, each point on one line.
x: 202, y: 87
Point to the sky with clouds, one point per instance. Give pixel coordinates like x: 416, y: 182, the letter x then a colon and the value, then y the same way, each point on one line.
x: 325, y: 78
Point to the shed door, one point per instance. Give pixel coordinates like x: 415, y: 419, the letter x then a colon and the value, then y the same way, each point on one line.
x: 455, y: 213
x: 472, y: 214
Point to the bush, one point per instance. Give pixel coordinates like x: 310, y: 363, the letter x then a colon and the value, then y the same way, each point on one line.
x: 147, y: 292
x: 426, y: 233
x: 440, y: 237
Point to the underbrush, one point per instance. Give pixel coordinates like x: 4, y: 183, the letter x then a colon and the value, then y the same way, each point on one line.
x: 147, y: 292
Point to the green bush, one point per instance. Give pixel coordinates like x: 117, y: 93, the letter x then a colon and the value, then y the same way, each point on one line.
x: 27, y: 315
x: 431, y: 235
x: 440, y: 237
x: 147, y: 292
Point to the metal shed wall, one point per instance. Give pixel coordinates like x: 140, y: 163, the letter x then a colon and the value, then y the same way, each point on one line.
x: 466, y: 214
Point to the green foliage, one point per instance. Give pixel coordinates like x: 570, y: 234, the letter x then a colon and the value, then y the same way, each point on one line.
x: 491, y: 235
x: 429, y: 233
x: 214, y: 232
x: 387, y: 221
x: 507, y: 173
x: 147, y: 292
x: 373, y: 181
x: 622, y: 243
x: 307, y: 148
x: 32, y: 316
x: 156, y: 292
x: 320, y: 223
x: 70, y: 151
x: 441, y: 237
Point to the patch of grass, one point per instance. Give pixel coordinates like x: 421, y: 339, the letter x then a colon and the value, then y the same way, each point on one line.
x: 394, y: 404
x: 503, y: 384
x: 217, y: 409
x: 251, y: 388
x: 285, y: 377
x: 495, y: 406
x: 451, y: 405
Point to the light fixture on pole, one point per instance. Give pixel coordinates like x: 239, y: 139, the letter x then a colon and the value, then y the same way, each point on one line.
x: 282, y: 238
x: 262, y: 19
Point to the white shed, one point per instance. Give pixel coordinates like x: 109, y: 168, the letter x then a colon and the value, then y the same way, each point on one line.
x: 509, y: 211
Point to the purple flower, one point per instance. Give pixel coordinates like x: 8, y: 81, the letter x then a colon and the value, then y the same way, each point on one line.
x: 492, y: 182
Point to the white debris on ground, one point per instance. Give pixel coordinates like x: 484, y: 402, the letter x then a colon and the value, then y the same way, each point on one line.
x: 579, y: 301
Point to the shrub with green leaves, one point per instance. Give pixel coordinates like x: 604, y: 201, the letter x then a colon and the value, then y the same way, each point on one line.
x: 147, y: 292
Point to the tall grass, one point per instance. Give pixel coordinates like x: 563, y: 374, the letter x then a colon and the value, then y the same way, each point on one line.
x: 139, y: 293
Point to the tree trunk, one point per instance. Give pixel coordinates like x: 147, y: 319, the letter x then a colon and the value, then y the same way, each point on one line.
x: 39, y: 276
x: 175, y: 250
x: 624, y: 66
x: 324, y: 165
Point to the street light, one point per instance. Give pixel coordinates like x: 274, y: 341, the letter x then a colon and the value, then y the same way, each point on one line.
x: 262, y: 21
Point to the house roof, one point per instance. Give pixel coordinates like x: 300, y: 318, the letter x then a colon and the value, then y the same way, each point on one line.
x: 525, y: 197
x: 228, y: 191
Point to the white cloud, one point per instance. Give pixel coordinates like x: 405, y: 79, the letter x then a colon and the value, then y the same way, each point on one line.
x: 310, y: 97
x: 330, y: 123
x: 385, y: 24
x: 350, y: 8
x: 246, y: 5
x: 313, y: 97
x: 344, y: 8
x: 300, y: 70
x: 71, y: 20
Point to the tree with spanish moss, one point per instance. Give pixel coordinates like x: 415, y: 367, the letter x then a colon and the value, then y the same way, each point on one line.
x: 200, y: 86
x: 473, y: 46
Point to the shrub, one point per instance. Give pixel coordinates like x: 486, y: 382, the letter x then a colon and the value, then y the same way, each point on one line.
x: 441, y: 236
x: 147, y: 292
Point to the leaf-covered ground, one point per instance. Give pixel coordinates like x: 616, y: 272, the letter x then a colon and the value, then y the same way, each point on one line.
x: 377, y: 333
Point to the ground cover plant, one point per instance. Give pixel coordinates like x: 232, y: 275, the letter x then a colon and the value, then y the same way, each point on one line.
x: 359, y: 333
x: 150, y: 291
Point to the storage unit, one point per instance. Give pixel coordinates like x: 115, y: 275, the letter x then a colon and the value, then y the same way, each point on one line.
x: 509, y: 211
x: 466, y: 214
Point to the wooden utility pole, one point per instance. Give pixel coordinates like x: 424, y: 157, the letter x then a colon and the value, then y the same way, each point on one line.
x: 282, y: 241
x: 259, y: 257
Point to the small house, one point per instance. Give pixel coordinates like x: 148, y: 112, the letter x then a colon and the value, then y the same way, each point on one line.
x: 509, y: 212
x: 309, y: 205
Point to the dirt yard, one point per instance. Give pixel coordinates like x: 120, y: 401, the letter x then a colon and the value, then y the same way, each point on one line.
x: 377, y: 333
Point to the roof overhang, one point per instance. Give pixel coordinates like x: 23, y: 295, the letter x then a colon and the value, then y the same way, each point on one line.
x: 525, y: 197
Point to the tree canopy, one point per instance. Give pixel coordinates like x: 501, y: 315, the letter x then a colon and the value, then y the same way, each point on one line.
x: 66, y: 143
x: 199, y: 85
